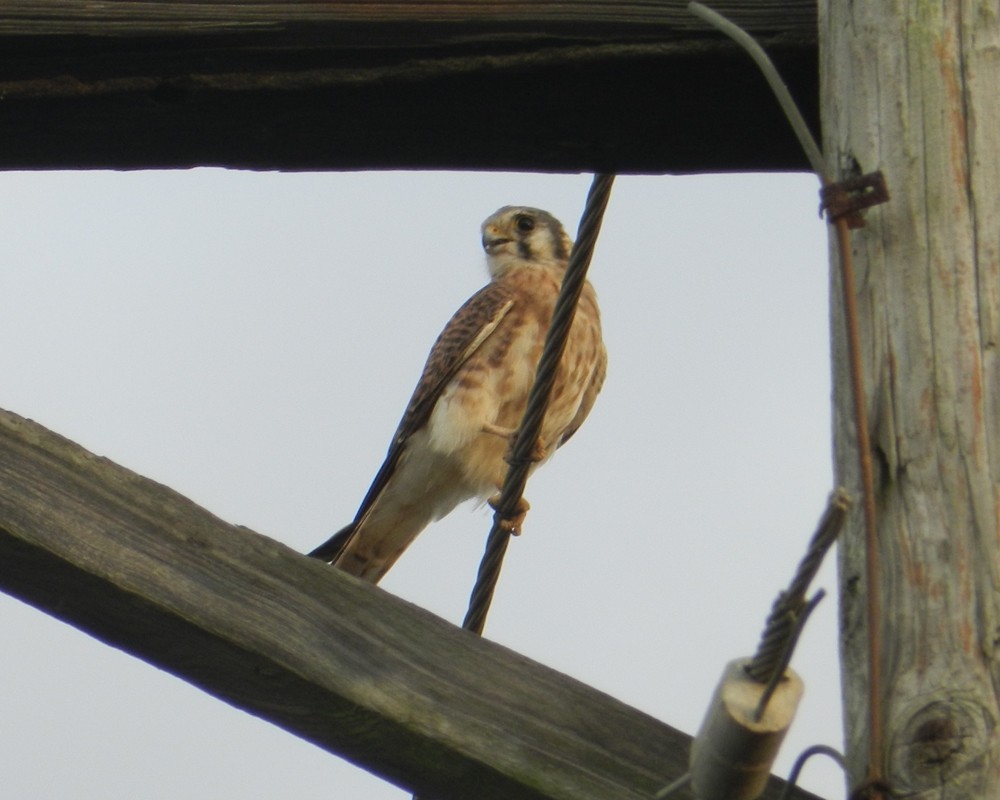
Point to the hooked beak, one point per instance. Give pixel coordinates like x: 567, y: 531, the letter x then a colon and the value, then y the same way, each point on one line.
x: 491, y: 244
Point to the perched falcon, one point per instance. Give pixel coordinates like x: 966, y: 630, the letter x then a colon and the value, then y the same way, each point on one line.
x: 456, y: 430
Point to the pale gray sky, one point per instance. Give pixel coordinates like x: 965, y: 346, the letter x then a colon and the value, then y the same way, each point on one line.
x: 250, y: 339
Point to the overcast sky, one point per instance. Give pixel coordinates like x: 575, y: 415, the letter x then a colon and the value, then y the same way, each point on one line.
x: 251, y: 339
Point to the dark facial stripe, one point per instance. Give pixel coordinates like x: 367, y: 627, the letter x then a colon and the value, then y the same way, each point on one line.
x: 558, y: 244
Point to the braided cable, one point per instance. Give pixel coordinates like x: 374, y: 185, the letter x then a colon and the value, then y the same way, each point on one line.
x: 520, y: 459
x: 780, y: 631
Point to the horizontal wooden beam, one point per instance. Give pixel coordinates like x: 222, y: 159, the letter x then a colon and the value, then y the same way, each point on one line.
x: 338, y: 662
x: 589, y: 85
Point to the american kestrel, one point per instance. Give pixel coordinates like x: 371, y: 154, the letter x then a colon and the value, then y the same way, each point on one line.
x: 450, y: 445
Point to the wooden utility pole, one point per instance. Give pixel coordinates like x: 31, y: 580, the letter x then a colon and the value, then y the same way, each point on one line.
x: 911, y: 89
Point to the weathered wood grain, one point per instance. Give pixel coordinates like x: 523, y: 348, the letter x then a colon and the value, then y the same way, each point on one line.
x: 204, y: 16
x: 911, y: 89
x: 331, y: 659
x: 611, y: 86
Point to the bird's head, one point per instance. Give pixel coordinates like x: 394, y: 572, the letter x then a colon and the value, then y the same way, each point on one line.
x: 517, y: 235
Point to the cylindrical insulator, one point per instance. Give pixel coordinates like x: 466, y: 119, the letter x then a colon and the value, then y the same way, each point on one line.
x: 732, y: 754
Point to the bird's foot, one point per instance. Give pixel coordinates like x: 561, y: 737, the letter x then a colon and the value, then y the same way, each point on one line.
x: 512, y: 524
x: 538, y: 452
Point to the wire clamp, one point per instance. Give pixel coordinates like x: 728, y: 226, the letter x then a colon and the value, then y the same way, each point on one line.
x: 847, y: 198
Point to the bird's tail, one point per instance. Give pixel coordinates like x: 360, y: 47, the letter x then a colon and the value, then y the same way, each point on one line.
x: 332, y: 547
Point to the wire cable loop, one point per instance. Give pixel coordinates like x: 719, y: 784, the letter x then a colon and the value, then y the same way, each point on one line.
x: 800, y: 762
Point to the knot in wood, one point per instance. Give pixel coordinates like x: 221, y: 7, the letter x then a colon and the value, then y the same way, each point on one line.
x: 941, y: 743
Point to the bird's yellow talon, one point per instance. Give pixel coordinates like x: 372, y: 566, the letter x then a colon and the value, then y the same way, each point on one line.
x: 512, y: 523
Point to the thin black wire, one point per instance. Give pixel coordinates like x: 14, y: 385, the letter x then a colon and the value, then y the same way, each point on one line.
x: 790, y: 784
x: 521, y: 453
x: 800, y: 762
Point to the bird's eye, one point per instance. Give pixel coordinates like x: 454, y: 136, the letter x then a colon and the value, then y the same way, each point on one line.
x: 524, y: 223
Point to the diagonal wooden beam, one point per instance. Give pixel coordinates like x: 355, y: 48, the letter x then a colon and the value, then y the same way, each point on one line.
x: 333, y: 660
